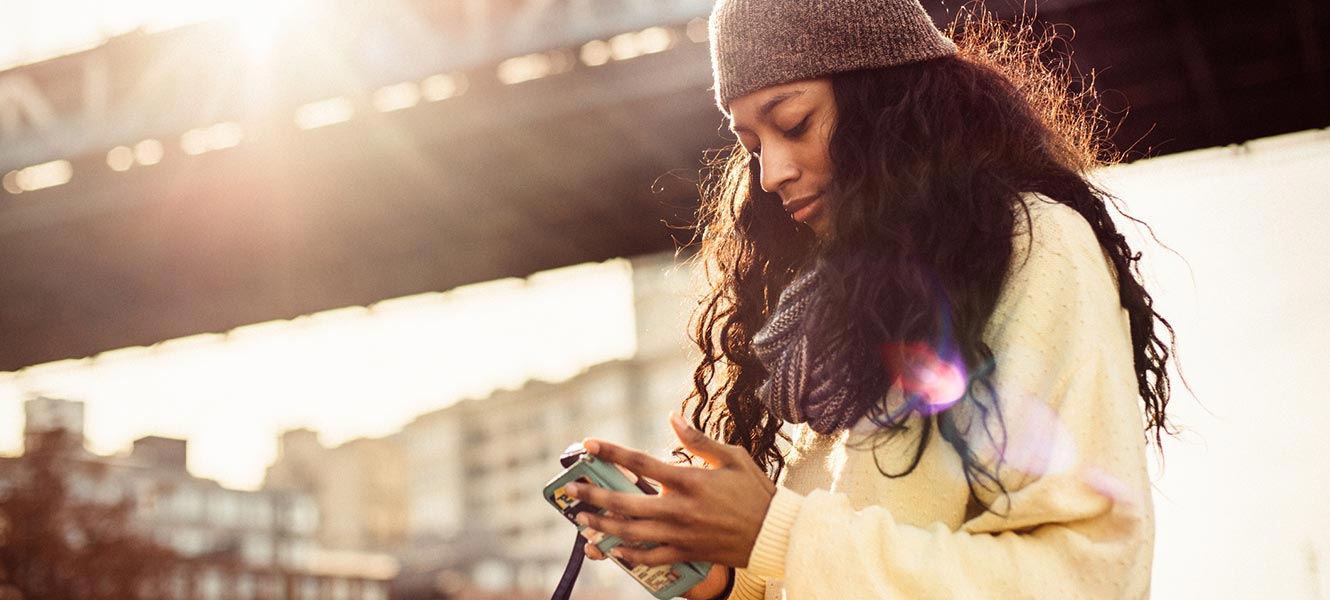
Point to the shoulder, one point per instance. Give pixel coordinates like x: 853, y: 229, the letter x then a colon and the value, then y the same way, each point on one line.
x: 1058, y: 268
x: 1043, y: 226
x: 1062, y: 353
x: 1053, y: 240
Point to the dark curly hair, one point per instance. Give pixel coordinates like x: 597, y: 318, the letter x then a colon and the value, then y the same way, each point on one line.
x: 929, y: 160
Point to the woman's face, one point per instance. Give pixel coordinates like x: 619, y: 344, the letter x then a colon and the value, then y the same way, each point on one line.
x: 787, y: 128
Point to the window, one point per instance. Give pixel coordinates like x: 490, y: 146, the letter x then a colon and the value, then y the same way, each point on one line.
x: 179, y: 586
x: 189, y: 542
x: 374, y: 590
x: 186, y: 504
x: 257, y: 549
x: 245, y: 587
x: 309, y: 588
x: 302, y: 516
x: 223, y: 509
x: 341, y: 589
x: 272, y: 587
x: 257, y: 512
x: 146, y: 498
x: 295, y: 554
x: 210, y: 585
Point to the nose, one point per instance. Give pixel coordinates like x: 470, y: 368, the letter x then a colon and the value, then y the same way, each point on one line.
x: 778, y: 168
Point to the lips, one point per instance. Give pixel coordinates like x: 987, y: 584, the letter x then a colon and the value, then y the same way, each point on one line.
x: 805, y: 208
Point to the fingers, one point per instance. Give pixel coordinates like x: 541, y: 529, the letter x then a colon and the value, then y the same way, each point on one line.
x: 592, y: 552
x: 664, y: 554
x: 628, y: 530
x: 659, y: 555
x: 716, y: 454
x: 632, y: 477
x: 635, y: 461
x: 632, y: 505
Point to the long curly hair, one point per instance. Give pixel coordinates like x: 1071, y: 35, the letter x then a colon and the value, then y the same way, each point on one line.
x: 929, y: 159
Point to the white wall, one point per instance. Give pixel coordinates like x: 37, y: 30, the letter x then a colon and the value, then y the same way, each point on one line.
x: 1241, y: 496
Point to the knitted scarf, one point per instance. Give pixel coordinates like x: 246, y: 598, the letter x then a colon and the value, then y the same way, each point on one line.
x: 806, y: 366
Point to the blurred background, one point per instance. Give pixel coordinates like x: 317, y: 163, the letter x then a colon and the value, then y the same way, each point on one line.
x: 302, y: 298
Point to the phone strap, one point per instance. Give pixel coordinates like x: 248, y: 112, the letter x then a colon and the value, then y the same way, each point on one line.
x: 564, y: 590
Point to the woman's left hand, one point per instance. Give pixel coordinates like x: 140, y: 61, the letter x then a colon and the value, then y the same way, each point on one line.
x: 710, y: 514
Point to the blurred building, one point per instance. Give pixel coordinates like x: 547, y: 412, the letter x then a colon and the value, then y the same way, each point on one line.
x: 360, y: 487
x: 231, y: 544
x: 458, y: 489
x: 478, y: 466
x: 42, y: 415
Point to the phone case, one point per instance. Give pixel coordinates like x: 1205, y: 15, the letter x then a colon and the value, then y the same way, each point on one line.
x: 664, y: 581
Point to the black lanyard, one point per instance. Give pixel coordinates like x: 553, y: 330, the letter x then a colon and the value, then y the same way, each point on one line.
x: 564, y: 590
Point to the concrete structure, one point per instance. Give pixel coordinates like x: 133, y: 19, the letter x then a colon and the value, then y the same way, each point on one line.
x: 573, y: 126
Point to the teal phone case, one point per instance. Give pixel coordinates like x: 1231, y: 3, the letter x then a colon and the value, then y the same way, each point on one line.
x: 664, y: 581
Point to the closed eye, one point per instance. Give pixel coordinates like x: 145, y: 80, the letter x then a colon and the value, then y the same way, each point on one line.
x: 799, y: 129
x: 793, y: 134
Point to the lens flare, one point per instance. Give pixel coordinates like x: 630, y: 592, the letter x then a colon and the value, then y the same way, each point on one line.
x: 1039, y: 443
x: 1113, y: 487
x: 933, y: 382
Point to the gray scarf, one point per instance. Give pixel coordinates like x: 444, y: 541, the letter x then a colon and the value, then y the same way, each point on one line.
x: 808, y: 373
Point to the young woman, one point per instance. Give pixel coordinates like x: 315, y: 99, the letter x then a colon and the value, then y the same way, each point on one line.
x: 909, y: 266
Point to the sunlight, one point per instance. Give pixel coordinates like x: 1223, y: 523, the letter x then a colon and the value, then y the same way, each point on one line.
x: 44, y: 30
x: 259, y: 24
x: 349, y: 372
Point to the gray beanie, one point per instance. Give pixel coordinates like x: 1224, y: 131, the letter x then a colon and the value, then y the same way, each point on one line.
x: 760, y: 43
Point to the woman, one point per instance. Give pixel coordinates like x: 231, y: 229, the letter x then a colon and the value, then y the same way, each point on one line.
x: 908, y: 264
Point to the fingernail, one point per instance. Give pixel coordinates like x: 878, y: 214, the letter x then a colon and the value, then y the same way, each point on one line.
x: 572, y: 489
x: 617, y: 552
x: 582, y: 519
x: 591, y: 446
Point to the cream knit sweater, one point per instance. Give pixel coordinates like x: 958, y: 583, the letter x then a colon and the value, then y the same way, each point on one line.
x: 1079, y: 523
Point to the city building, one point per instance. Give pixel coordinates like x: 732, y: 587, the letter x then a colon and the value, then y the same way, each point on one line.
x: 359, y: 486
x: 476, y: 468
x: 466, y: 508
x: 227, y: 543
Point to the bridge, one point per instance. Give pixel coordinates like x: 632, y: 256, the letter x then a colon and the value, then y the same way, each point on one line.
x: 207, y: 177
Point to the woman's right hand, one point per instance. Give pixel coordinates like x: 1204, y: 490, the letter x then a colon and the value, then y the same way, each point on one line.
x: 709, y: 588
x: 594, y: 553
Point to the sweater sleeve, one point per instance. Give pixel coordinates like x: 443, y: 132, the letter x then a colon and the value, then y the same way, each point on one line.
x: 1077, y: 521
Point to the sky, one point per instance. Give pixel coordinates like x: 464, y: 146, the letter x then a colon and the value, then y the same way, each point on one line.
x: 33, y: 30
x: 347, y: 373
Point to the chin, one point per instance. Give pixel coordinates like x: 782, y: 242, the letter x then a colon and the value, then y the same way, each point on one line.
x: 821, y: 227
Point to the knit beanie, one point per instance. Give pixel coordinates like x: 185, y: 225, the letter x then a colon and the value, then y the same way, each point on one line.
x: 760, y: 43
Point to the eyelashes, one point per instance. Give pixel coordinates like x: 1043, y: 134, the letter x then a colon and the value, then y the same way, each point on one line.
x: 793, y: 134
x: 799, y: 129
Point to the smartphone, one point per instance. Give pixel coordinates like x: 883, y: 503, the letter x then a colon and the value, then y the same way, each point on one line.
x: 663, y: 581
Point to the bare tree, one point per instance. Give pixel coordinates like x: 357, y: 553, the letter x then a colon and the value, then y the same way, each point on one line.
x: 59, y: 540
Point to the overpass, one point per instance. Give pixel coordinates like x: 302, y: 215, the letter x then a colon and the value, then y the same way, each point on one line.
x: 208, y: 177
